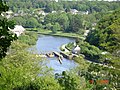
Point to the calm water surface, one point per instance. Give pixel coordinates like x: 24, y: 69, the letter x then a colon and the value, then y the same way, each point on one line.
x: 47, y: 44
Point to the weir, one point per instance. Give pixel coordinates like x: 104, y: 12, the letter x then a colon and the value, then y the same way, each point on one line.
x: 60, y: 57
x: 58, y: 54
x: 47, y: 44
x: 51, y: 55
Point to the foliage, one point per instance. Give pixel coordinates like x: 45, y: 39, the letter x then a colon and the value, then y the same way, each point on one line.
x: 107, y: 35
x: 63, y: 20
x: 21, y: 70
x: 6, y: 37
x: 99, y: 72
x: 31, y: 23
x: 19, y: 20
x: 67, y: 22
x: 28, y: 17
x: 26, y: 21
x: 70, y: 45
x: 94, y: 6
x: 90, y: 51
x: 83, y: 65
x: 25, y: 71
x: 41, y: 83
x: 55, y: 28
x: 70, y: 81
x: 75, y: 23
x: 49, y: 26
x: 29, y: 38
x: 50, y: 18
x: 100, y: 75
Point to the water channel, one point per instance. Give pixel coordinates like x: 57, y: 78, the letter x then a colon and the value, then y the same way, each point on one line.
x: 46, y: 44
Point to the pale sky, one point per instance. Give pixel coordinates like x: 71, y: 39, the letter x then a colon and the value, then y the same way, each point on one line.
x: 89, y: 0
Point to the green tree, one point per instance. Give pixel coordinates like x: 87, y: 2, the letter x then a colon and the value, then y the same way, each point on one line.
x: 29, y: 38
x: 31, y: 23
x: 49, y: 7
x: 70, y: 81
x: 6, y: 37
x: 76, y: 23
x: 49, y: 26
x: 20, y: 68
x: 55, y: 27
x: 19, y: 20
x: 50, y: 18
x: 63, y: 20
x: 107, y: 35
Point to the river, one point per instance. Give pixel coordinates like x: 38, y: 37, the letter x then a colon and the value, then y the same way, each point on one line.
x: 47, y: 44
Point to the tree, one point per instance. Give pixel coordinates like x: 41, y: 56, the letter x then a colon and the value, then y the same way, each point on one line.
x: 107, y: 36
x: 76, y: 23
x: 70, y: 81
x: 50, y: 18
x: 63, y: 21
x: 49, y: 7
x: 21, y: 69
x: 20, y: 20
x: 49, y: 26
x: 6, y: 37
x: 32, y: 23
x: 55, y: 27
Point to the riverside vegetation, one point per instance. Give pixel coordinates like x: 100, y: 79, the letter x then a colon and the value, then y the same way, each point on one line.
x: 21, y: 70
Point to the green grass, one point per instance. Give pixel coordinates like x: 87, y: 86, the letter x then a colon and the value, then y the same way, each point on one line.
x: 59, y: 33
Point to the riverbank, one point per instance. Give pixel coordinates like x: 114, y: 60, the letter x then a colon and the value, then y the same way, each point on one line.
x: 58, y: 33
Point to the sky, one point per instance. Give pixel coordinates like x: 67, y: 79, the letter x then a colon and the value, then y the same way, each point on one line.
x: 91, y: 0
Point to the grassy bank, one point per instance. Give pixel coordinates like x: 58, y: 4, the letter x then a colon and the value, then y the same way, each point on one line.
x: 59, y: 33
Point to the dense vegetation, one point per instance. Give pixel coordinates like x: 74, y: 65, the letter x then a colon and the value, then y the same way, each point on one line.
x: 61, y: 21
x: 107, y: 34
x: 67, y: 22
x: 90, y: 51
x: 5, y: 35
x: 21, y: 70
x: 49, y: 6
x: 29, y: 38
x: 57, y: 15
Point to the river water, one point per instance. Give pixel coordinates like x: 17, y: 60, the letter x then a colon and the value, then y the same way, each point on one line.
x: 47, y: 44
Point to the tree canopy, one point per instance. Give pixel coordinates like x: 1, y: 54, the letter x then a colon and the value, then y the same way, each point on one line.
x: 6, y: 37
x: 107, y: 34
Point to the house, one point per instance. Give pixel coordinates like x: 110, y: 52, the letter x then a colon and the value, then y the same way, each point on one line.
x: 7, y: 14
x: 53, y: 11
x: 76, y: 50
x: 41, y: 12
x: 18, y: 30
x: 74, y: 11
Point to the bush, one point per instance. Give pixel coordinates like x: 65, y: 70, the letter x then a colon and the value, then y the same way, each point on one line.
x: 90, y: 51
x: 29, y: 38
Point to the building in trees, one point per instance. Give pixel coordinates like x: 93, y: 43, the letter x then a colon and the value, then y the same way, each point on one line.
x: 18, y: 30
x: 76, y: 50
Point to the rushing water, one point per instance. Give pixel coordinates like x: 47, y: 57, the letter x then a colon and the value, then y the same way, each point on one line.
x: 47, y: 44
